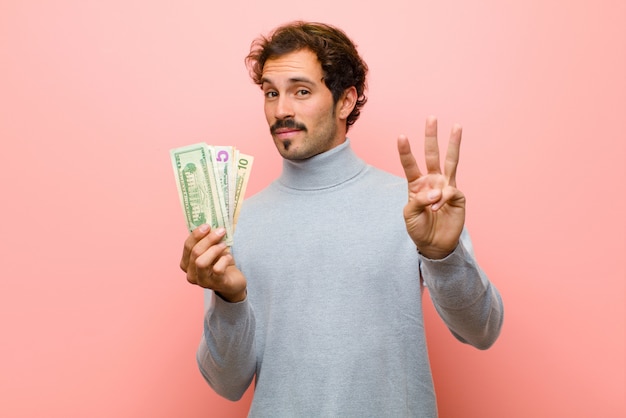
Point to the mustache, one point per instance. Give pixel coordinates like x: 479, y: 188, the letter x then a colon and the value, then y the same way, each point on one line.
x: 287, y: 123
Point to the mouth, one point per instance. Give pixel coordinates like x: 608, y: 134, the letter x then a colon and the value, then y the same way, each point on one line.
x: 286, y: 130
x: 285, y: 133
x: 287, y: 127
x: 286, y: 136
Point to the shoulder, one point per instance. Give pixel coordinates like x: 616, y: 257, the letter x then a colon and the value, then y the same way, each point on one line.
x: 384, y: 182
x: 385, y: 177
x: 261, y: 197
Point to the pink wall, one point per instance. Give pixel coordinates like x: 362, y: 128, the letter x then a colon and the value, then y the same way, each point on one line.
x: 98, y: 321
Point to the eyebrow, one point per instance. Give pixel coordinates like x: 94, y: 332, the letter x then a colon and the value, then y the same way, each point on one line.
x: 292, y: 80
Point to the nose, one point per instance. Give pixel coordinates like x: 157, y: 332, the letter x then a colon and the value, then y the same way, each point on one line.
x: 284, y: 109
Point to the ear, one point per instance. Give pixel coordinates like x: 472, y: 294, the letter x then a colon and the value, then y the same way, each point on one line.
x: 346, y: 103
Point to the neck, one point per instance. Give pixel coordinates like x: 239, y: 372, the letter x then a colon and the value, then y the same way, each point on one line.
x: 324, y: 170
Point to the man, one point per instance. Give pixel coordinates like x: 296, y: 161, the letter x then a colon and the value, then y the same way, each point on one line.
x: 319, y: 298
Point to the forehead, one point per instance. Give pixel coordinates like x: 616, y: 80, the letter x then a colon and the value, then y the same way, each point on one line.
x: 298, y: 64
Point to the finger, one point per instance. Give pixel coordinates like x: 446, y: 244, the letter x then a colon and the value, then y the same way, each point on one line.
x: 200, y: 247
x: 205, y: 262
x: 225, y: 260
x: 452, y: 155
x: 449, y: 196
x: 193, y: 238
x: 422, y: 200
x: 211, y: 239
x: 431, y: 147
x: 202, y: 261
x: 411, y: 169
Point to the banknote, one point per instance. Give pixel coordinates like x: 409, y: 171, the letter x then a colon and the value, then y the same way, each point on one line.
x: 211, y: 182
x: 243, y: 169
x: 224, y: 170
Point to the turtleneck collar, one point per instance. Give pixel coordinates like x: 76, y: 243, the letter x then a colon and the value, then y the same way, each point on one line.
x: 322, y: 171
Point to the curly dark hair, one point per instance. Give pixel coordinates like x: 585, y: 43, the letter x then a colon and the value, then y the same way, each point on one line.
x: 341, y: 64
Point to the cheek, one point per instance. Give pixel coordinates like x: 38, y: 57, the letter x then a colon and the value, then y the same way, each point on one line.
x: 317, y: 112
x: 324, y: 116
x: 268, y: 113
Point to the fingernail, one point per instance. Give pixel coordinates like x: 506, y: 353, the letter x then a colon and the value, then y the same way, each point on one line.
x: 220, y: 231
x: 203, y: 228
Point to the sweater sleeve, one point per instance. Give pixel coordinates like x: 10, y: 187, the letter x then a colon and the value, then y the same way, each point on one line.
x: 226, y: 355
x: 466, y: 300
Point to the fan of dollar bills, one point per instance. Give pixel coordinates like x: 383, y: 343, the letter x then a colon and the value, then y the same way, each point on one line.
x: 211, y: 183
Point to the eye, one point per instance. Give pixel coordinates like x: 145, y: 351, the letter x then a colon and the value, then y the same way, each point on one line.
x: 270, y: 94
x: 302, y: 92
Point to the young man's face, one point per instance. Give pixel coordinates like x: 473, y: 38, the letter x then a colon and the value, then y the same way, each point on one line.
x: 299, y: 107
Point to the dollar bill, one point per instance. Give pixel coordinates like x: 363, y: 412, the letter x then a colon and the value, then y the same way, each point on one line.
x: 211, y: 182
x: 223, y: 167
x: 197, y: 188
x: 244, y: 167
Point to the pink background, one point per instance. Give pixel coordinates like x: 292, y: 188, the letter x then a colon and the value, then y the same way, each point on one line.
x: 98, y: 321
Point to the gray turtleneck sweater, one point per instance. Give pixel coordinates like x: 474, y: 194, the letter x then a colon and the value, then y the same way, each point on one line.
x: 332, y: 325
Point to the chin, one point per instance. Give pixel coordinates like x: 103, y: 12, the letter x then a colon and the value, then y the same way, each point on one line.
x: 294, y: 154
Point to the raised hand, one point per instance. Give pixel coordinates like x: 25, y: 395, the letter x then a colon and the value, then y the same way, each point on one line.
x: 208, y: 263
x: 435, y: 212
